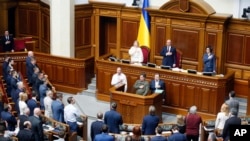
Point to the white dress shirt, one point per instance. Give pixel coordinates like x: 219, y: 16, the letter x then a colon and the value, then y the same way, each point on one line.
x: 220, y: 120
x: 22, y: 105
x: 47, y: 105
x: 71, y: 113
x: 136, y: 54
x: 119, y: 79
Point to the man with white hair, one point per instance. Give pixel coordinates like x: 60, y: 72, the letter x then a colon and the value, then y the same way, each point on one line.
x: 23, y: 118
x: 150, y: 122
x: 193, y: 121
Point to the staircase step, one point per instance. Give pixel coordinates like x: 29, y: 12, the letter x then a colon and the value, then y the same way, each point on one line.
x: 93, y: 80
x: 244, y: 100
x: 89, y: 92
x: 92, y: 86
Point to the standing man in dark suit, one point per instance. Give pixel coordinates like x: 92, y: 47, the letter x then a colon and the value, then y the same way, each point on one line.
x: 169, y: 55
x: 32, y: 103
x: 5, y: 66
x: 113, y: 119
x: 26, y: 133
x: 158, y: 84
x: 104, y: 136
x: 57, y: 107
x: 96, y: 126
x: 23, y: 118
x: 232, y: 102
x: 9, y: 118
x: 232, y: 120
x: 209, y: 60
x: 158, y: 136
x: 150, y: 122
x: 36, y: 125
x: 7, y: 42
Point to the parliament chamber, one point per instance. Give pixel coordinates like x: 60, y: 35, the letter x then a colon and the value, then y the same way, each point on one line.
x: 103, y: 28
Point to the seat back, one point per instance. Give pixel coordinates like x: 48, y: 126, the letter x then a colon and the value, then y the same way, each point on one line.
x: 178, y: 60
x: 145, y: 52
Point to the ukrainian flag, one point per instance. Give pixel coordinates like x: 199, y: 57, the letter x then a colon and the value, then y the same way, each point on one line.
x: 144, y: 27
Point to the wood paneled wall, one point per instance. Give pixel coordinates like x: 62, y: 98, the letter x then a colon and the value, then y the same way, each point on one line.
x: 66, y: 74
x: 45, y: 29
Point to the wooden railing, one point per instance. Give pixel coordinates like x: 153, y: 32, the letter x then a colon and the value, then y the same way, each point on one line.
x: 66, y: 74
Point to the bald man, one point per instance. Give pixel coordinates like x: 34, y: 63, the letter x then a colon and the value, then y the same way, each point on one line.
x: 96, y: 126
x: 36, y: 123
x: 119, y: 79
x: 169, y: 54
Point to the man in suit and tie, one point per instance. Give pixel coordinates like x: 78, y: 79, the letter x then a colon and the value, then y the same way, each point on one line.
x: 104, y: 136
x: 169, y: 55
x: 58, y: 108
x: 26, y: 134
x: 158, y: 84
x: 32, y: 103
x: 23, y: 118
x: 96, y: 126
x: 232, y: 120
x: 7, y: 42
x: 158, y: 136
x: 36, y: 125
x: 7, y: 116
x: 113, y: 119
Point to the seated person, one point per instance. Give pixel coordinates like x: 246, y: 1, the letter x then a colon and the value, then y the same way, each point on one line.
x: 158, y: 84
x: 142, y: 86
x: 136, y: 55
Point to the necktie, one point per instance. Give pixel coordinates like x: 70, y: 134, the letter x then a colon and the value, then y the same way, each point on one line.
x: 7, y: 37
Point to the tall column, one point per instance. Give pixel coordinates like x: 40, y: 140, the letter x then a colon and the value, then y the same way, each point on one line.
x: 62, y: 19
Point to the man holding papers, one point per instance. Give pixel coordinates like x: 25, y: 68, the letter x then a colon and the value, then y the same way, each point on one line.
x: 158, y: 86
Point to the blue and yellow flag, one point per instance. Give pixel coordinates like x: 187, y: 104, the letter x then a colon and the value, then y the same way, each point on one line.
x: 144, y: 27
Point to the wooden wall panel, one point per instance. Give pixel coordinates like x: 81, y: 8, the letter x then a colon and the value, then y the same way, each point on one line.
x: 205, y: 102
x: 71, y: 77
x: 187, y: 41
x: 235, y: 48
x: 160, y: 39
x: 247, y: 51
x: 33, y: 22
x: 60, y: 74
x: 129, y: 32
x: 211, y: 39
x: 189, y: 95
x: 23, y: 21
x: 176, y: 99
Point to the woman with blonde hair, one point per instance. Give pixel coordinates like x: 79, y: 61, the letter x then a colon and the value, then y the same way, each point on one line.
x: 221, y: 118
x: 22, y: 102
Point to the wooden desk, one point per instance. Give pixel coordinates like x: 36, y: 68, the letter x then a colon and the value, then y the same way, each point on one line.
x: 134, y: 107
x: 182, y: 89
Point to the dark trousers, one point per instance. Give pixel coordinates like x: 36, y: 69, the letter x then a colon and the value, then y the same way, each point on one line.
x: 193, y: 137
x: 72, y: 126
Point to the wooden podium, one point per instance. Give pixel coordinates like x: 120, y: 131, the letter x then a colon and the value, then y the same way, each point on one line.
x: 134, y: 107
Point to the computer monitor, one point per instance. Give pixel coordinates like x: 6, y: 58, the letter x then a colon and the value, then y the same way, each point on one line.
x: 191, y: 71
x: 165, y: 67
x: 113, y: 59
x: 151, y: 65
x: 125, y: 61
x: 208, y: 73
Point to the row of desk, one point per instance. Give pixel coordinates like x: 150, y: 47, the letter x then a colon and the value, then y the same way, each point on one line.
x: 182, y: 89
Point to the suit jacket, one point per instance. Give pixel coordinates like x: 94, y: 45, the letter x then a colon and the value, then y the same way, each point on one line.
x: 58, y: 110
x: 11, y: 120
x: 141, y: 91
x: 152, y: 85
x: 32, y: 104
x: 159, y: 138
x: 209, y: 63
x: 149, y: 123
x: 26, y: 135
x: 37, y: 128
x: 233, y: 103
x: 30, y: 70
x: 13, y: 86
x: 5, y: 71
x: 177, y: 137
x: 234, y: 120
x: 113, y: 119
x: 96, y: 128
x: 42, y: 93
x: 7, y: 47
x: 104, y: 137
x: 170, y: 59
x: 22, y: 119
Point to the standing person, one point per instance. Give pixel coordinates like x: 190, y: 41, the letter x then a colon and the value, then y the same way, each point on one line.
x: 136, y: 55
x: 104, y: 136
x: 70, y: 114
x: 7, y: 116
x: 5, y: 66
x: 158, y: 136
x: 26, y: 134
x: 169, y: 55
x: 233, y: 120
x: 157, y: 83
x: 141, y: 86
x: 193, y: 121
x: 22, y: 102
x: 23, y: 118
x: 47, y: 104
x: 2, y: 131
x: 221, y: 118
x: 96, y: 126
x: 232, y: 102
x: 57, y: 108
x: 7, y: 42
x: 36, y: 125
x: 32, y: 103
x: 150, y: 122
x: 176, y: 135
x: 209, y: 60
x: 113, y: 119
x: 119, y: 79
